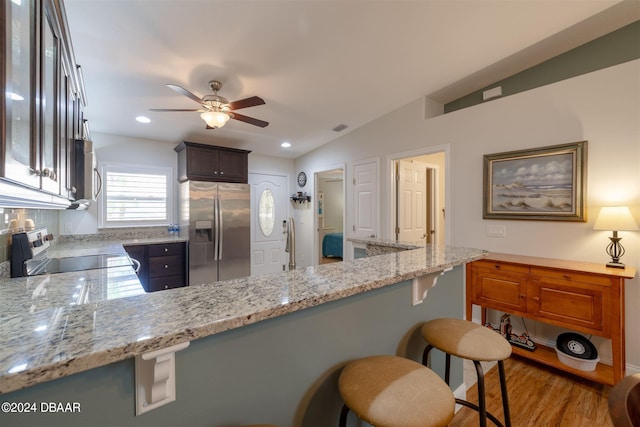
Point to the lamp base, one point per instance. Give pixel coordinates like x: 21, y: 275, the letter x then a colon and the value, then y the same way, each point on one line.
x: 615, y: 265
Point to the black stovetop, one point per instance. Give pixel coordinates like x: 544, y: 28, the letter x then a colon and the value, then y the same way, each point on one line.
x: 79, y: 263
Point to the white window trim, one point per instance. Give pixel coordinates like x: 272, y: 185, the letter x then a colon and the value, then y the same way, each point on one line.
x: 133, y: 168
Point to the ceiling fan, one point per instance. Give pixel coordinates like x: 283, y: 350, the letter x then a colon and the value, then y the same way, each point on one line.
x: 216, y: 110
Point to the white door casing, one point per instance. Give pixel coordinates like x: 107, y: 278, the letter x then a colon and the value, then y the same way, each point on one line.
x: 267, y: 238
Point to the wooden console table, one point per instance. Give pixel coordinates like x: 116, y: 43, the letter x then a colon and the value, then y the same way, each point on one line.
x: 583, y: 297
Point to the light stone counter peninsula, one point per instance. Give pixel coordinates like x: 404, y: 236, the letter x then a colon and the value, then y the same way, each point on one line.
x: 384, y: 246
x: 48, y: 331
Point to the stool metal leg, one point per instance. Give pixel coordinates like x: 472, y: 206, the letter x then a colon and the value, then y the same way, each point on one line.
x: 482, y: 401
x: 343, y: 416
x: 447, y: 369
x: 425, y: 362
x: 481, y: 408
x: 505, y: 398
x: 425, y: 355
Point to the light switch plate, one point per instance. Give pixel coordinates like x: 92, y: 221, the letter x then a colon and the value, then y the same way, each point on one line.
x: 496, y: 231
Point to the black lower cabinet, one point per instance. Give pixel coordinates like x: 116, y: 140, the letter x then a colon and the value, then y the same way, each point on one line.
x: 162, y: 266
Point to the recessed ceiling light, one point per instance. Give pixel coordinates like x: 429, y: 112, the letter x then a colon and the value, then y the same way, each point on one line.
x: 143, y: 119
x: 285, y: 145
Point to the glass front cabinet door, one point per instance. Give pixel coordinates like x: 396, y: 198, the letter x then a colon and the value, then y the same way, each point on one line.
x: 48, y: 103
x: 19, y: 147
x: 41, y: 113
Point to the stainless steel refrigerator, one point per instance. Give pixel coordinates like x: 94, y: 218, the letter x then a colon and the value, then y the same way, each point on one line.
x: 216, y: 218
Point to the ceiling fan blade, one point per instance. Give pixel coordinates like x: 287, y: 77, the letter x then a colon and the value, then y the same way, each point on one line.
x: 175, y: 109
x: 184, y: 92
x: 246, y: 103
x: 250, y: 120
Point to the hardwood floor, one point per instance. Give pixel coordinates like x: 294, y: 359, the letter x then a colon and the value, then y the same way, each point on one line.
x: 540, y: 397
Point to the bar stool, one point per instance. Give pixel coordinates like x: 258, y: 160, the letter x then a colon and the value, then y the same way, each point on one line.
x: 391, y: 391
x: 474, y: 342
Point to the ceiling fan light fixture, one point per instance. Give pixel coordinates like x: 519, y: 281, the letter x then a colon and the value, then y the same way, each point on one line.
x: 215, y: 119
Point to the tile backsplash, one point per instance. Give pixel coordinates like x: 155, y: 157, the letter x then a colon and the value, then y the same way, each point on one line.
x: 12, y: 220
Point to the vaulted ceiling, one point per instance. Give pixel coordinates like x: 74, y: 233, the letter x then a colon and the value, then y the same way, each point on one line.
x: 317, y: 64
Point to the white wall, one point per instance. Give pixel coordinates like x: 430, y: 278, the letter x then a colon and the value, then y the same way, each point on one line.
x: 118, y: 149
x: 143, y: 152
x: 602, y: 107
x: 333, y: 209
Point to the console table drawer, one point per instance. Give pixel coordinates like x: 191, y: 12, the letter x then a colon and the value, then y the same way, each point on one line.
x: 500, y: 266
x: 571, y: 276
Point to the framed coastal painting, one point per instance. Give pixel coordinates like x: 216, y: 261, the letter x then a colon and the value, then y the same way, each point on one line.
x: 547, y: 183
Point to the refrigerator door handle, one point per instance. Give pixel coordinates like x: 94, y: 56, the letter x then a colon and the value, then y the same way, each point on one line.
x: 220, y: 227
x: 216, y: 229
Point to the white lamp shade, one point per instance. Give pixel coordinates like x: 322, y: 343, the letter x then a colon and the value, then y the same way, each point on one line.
x: 615, y: 218
x: 215, y: 119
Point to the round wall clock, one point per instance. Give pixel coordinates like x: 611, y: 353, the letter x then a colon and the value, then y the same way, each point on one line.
x: 302, y: 179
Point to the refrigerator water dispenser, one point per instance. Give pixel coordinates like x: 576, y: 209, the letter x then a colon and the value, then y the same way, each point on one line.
x: 204, y: 231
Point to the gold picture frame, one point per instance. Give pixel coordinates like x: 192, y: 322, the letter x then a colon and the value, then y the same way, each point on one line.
x: 547, y: 183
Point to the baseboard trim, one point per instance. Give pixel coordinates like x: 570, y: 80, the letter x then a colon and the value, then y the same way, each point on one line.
x: 460, y: 393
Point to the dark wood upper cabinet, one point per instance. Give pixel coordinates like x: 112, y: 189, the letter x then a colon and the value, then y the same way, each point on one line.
x: 42, y: 113
x: 203, y: 162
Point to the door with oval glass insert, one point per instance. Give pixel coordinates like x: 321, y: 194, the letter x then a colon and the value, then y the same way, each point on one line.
x: 269, y: 208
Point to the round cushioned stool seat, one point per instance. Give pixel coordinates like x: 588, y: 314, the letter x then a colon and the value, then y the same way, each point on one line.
x: 389, y: 391
x: 466, y: 339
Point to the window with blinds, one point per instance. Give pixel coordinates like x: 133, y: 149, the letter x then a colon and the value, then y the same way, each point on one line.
x: 135, y: 196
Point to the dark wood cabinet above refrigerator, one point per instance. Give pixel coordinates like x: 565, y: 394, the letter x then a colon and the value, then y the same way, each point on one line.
x: 201, y: 162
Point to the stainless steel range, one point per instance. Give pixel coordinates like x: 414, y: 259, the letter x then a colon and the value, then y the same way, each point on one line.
x: 29, y: 257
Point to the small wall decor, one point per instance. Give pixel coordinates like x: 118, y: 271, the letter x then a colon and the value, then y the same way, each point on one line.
x: 547, y: 183
x: 300, y: 197
x: 302, y: 179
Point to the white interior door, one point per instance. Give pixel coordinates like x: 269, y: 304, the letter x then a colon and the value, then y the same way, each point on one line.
x: 269, y: 208
x: 365, y: 199
x: 412, y: 201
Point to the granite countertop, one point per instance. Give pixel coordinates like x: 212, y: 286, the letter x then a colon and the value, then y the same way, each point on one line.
x: 47, y: 331
x: 387, y: 243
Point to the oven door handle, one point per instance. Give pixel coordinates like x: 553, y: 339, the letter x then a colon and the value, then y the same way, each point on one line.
x: 137, y: 265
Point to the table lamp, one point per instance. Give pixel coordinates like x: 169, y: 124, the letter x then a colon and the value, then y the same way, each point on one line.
x: 615, y: 218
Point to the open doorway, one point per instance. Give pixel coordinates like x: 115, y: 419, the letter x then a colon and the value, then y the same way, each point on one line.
x: 419, y: 183
x: 329, y: 215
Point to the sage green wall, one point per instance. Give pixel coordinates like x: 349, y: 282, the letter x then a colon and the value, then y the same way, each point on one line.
x: 282, y: 371
x: 614, y: 48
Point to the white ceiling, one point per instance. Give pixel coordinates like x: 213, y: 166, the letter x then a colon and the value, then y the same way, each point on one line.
x: 317, y: 64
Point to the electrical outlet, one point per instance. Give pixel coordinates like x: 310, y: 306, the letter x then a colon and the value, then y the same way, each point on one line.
x: 496, y: 231
x: 68, y: 227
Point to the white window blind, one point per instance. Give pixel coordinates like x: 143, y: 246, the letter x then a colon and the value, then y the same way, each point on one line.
x: 136, y: 196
